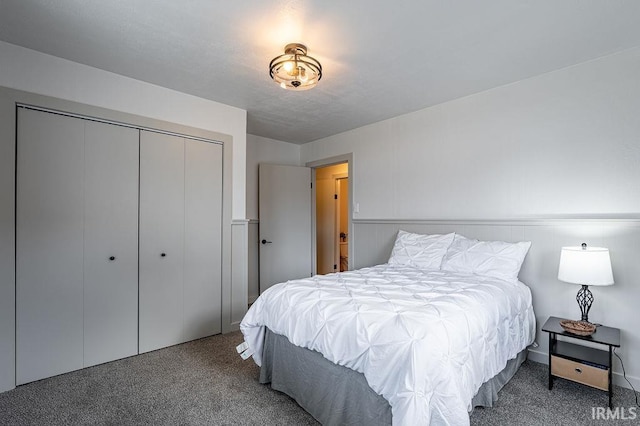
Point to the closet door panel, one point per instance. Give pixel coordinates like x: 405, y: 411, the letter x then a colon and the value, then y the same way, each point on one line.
x: 110, y: 243
x: 161, y: 232
x: 203, y: 239
x: 49, y: 256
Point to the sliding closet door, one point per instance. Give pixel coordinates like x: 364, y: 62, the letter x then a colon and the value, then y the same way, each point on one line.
x: 203, y: 239
x: 110, y: 243
x: 49, y: 243
x: 161, y: 240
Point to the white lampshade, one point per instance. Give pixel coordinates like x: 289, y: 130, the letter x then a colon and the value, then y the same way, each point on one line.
x: 586, y: 266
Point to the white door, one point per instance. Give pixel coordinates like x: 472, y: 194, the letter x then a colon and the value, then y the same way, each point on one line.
x: 161, y: 240
x: 77, y: 260
x: 49, y: 245
x: 110, y: 243
x: 285, y: 224
x: 203, y: 239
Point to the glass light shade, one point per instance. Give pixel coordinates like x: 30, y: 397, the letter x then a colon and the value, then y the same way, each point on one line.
x: 295, y: 70
x: 588, y: 266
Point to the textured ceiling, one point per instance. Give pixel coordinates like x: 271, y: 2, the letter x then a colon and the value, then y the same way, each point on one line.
x: 381, y: 59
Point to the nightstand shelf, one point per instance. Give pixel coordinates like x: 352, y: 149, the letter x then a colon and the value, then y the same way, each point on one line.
x: 579, y: 363
x: 578, y: 353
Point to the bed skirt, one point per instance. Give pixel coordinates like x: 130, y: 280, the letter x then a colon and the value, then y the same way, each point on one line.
x: 337, y: 395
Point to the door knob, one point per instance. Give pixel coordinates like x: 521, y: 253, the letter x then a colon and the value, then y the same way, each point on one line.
x: 266, y: 242
x: 163, y: 254
x: 112, y: 258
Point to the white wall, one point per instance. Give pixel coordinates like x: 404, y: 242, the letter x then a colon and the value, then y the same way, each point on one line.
x: 564, y: 143
x: 35, y: 72
x: 561, y: 145
x: 269, y: 151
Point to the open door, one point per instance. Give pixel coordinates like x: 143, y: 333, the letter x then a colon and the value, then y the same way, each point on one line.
x: 332, y: 218
x: 285, y: 224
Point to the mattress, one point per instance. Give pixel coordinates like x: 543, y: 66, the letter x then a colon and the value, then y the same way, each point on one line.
x: 424, y: 341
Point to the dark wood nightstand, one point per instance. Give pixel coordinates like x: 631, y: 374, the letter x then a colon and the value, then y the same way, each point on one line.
x: 579, y: 363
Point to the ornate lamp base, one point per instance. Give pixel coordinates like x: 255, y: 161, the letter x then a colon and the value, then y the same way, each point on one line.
x: 585, y: 299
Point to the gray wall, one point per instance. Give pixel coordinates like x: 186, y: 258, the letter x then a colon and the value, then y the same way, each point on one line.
x: 7, y: 244
x: 614, y: 305
x: 560, y: 146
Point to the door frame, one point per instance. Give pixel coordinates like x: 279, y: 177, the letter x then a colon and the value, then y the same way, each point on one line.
x: 330, y: 161
x: 336, y: 234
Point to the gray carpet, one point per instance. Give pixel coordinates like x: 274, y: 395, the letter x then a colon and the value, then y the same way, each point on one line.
x: 206, y: 382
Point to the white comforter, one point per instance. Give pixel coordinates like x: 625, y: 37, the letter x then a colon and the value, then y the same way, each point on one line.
x: 425, y: 341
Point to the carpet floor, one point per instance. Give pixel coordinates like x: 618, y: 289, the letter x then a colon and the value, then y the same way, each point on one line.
x: 205, y: 382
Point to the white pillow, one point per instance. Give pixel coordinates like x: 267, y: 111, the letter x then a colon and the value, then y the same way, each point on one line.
x: 420, y: 251
x: 496, y: 259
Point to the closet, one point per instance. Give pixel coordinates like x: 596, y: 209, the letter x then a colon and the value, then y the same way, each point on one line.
x: 180, y: 239
x: 118, y: 241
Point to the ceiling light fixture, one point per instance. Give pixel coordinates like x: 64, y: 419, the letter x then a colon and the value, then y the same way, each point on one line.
x: 295, y: 70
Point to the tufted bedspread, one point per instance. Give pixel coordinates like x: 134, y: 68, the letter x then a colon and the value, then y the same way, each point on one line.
x: 425, y: 341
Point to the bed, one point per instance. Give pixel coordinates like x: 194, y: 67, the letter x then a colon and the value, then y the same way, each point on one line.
x: 413, y: 341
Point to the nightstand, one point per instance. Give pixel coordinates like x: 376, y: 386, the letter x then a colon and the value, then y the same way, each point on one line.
x: 579, y: 363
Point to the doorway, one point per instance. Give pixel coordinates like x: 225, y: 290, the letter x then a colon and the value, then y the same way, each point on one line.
x: 292, y: 242
x: 332, y: 218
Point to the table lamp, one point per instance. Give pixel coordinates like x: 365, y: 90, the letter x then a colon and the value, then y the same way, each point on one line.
x: 585, y: 266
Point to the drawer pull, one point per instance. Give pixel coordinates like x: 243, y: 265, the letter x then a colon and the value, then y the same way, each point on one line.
x: 578, y: 370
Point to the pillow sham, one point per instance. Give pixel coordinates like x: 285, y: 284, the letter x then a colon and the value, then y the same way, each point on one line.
x: 497, y: 259
x: 419, y: 250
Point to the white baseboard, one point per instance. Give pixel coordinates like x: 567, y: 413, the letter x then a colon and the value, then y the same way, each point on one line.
x: 234, y: 326
x: 538, y: 356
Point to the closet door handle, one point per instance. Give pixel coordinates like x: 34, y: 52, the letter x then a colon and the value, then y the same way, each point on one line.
x: 112, y: 258
x: 266, y: 242
x: 163, y: 254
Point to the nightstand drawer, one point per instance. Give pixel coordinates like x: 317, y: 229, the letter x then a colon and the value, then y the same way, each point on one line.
x: 581, y: 373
